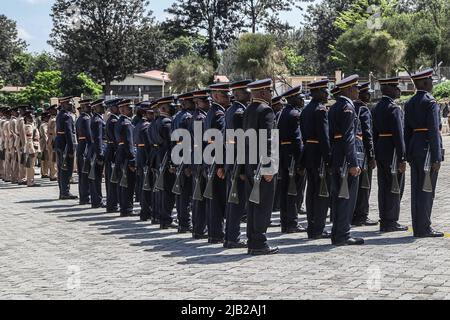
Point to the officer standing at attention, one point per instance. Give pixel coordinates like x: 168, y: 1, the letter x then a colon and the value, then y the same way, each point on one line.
x: 159, y: 134
x: 97, y: 153
x: 6, y: 131
x: 316, y: 158
x: 13, y: 140
x: 423, y: 140
x: 137, y: 122
x: 182, y: 120
x: 20, y: 145
x: 202, y: 102
x: 2, y: 142
x: 259, y: 116
x: 51, y: 141
x: 64, y: 145
x: 291, y: 149
x: 215, y: 119
x: 388, y: 119
x: 84, y: 138
x: 346, y: 167
x: 45, y: 155
x: 31, y: 146
x: 125, y: 160
x: 277, y: 105
x: 234, y: 212
x: 112, y: 193
x: 364, y: 140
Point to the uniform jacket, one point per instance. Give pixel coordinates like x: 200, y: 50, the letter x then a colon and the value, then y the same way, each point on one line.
x: 65, y: 130
x: 291, y: 144
x: 111, y: 142
x: 98, y: 137
x: 126, y: 151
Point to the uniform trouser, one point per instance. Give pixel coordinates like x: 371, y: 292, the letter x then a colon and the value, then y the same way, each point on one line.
x: 30, y: 171
x: 14, y: 167
x: 342, y: 208
x: 52, y: 164
x: 258, y: 215
x: 316, y: 206
x: 276, y: 201
x: 2, y: 168
x: 362, y: 201
x: 22, y: 173
x: 183, y: 202
x: 126, y: 194
x: 388, y: 202
x: 45, y: 167
x: 95, y: 186
x: 234, y: 212
x: 138, y: 186
x: 64, y: 176
x: 301, y: 192
x: 288, y: 204
x: 112, y: 200
x: 199, y: 216
x: 146, y: 196
x: 167, y: 199
x: 216, y: 209
x: 83, y: 181
x: 421, y: 202
x: 8, y: 166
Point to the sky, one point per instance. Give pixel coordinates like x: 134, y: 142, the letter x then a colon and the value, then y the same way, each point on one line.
x: 34, y: 22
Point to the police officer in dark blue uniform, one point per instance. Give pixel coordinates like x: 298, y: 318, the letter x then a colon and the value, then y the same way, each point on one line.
x: 423, y: 140
x: 260, y: 116
x: 202, y: 102
x: 125, y: 157
x: 388, y: 119
x: 64, y: 144
x: 316, y: 158
x: 137, y: 123
x: 345, y: 162
x: 364, y: 141
x: 159, y: 134
x: 97, y: 153
x: 84, y: 137
x: 182, y: 121
x: 277, y: 105
x: 234, y: 212
x: 291, y: 149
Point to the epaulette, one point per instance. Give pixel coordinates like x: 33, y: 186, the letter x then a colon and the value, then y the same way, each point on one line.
x: 322, y: 108
x: 239, y: 111
x: 295, y: 113
x: 219, y: 113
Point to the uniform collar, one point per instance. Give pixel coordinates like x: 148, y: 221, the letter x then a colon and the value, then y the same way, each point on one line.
x: 257, y: 100
x: 164, y: 115
x: 240, y: 103
x: 347, y: 99
x: 386, y: 97
x: 421, y: 91
x: 219, y: 106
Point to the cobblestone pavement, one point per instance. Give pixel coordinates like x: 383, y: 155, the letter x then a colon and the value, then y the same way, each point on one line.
x: 52, y: 249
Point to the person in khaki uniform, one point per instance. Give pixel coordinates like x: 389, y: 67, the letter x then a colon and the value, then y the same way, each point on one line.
x: 50, y: 142
x: 6, y: 132
x: 31, y: 147
x: 20, y: 145
x: 13, y: 138
x: 2, y: 143
x: 43, y: 142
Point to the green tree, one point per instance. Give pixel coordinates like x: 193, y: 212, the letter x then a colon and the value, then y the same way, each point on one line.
x: 79, y: 85
x: 10, y: 45
x: 442, y: 90
x: 293, y: 61
x: 46, y: 84
x: 190, y: 73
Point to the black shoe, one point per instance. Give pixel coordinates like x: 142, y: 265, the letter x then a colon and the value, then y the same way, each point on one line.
x: 274, y: 225
x: 215, y: 241
x: 165, y: 226
x: 112, y: 210
x: 185, y: 229
x: 96, y: 206
x: 156, y: 221
x: 199, y: 236
x: 324, y: 235
x: 395, y: 228
x: 127, y: 214
x: 82, y: 203
x: 264, y: 251
x: 34, y: 185
x: 297, y: 229
x: 431, y: 234
x: 68, y: 197
x: 235, y: 245
x: 53, y: 179
x: 350, y: 242
x: 367, y: 223
x: 45, y: 177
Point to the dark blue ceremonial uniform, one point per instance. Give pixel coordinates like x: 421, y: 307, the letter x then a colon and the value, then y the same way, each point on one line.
x: 97, y: 154
x: 64, y: 143
x: 364, y: 142
x: 291, y: 148
x: 84, y: 137
x: 199, y: 214
x: 182, y: 120
x: 343, y: 128
x: 159, y: 135
x: 143, y: 148
x: 215, y: 119
x: 388, y: 136
x: 137, y: 123
x: 234, y: 116
x: 315, y: 133
x: 259, y: 116
x: 125, y: 160
x: 112, y: 200
x: 422, y: 131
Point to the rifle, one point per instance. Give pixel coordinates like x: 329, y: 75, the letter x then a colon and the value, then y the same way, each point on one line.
x: 255, y: 196
x: 147, y: 186
x: 234, y: 196
x: 198, y: 194
x: 208, y: 194
x: 85, y: 168
x: 177, y: 185
x: 427, y: 184
x: 365, y: 181
x: 344, y: 192
x: 124, y: 179
x: 323, y: 190
x: 159, y: 184
x: 92, y: 171
x: 292, y: 190
x: 65, y: 162
x: 114, y: 175
x: 395, y: 188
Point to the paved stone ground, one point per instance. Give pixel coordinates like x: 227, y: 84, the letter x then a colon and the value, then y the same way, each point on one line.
x: 51, y: 249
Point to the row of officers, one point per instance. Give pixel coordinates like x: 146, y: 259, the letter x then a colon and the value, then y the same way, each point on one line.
x: 332, y: 150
